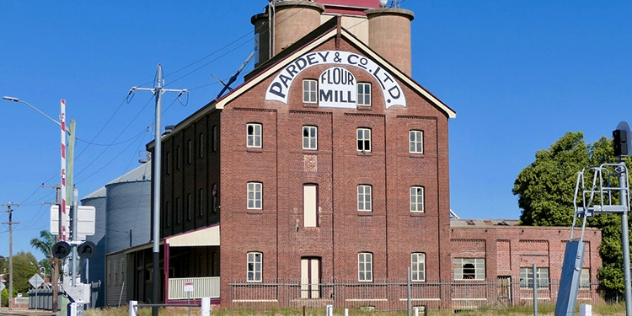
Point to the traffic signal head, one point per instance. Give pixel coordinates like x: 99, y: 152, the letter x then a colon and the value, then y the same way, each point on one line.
x: 620, y: 142
x: 61, y: 249
x: 86, y: 250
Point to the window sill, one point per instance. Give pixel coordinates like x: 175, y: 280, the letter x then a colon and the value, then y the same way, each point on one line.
x: 365, y: 153
x: 254, y: 150
x: 416, y: 155
x: 365, y: 107
x: 417, y: 214
x: 254, y: 212
x: 310, y: 105
x: 365, y: 213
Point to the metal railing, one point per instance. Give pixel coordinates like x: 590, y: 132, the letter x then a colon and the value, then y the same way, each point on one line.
x: 392, y: 295
x: 202, y: 287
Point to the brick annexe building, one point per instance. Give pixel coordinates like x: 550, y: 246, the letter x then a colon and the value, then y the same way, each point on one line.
x: 328, y: 165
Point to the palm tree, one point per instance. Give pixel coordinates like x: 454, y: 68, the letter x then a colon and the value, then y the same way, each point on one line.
x: 45, y: 245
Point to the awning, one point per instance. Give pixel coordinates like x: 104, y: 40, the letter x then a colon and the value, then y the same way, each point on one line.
x: 203, y: 237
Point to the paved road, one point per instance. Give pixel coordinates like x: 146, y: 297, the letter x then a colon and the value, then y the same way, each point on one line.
x: 24, y: 312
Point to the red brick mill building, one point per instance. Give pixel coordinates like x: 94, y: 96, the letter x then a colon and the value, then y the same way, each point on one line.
x: 324, y: 177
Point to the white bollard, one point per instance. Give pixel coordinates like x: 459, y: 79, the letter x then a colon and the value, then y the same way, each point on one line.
x: 346, y: 312
x: 206, y: 306
x: 416, y: 311
x: 585, y: 310
x: 330, y: 310
x: 133, y: 305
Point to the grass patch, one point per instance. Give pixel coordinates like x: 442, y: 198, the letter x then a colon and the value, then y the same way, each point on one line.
x: 543, y: 309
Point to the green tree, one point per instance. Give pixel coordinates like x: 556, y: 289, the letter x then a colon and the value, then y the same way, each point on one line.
x: 45, y: 244
x: 24, y: 266
x: 546, y: 189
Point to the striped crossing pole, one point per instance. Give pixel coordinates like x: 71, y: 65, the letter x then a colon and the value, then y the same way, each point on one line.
x: 62, y: 118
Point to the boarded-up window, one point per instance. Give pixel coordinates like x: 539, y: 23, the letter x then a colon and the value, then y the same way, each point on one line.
x: 310, y: 205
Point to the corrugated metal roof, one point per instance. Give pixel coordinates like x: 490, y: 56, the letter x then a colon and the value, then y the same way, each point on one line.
x: 483, y: 222
x: 100, y: 193
x: 208, y: 236
x: 141, y: 173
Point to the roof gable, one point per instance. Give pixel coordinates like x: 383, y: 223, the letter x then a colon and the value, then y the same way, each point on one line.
x: 329, y: 30
x: 298, y: 57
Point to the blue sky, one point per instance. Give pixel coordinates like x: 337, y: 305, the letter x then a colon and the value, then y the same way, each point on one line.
x: 519, y: 74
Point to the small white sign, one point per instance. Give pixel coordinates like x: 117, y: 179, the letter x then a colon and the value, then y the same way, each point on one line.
x: 36, y: 280
x: 2, y: 286
x: 188, y: 286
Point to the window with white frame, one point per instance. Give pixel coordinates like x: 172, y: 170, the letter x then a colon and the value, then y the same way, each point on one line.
x: 364, y: 198
x: 417, y: 199
x: 526, y: 278
x: 418, y: 266
x: 584, y: 279
x: 365, y: 267
x: 364, y: 94
x: 255, y: 195
x: 469, y: 268
x: 310, y: 137
x: 310, y: 91
x: 416, y: 142
x: 364, y: 139
x: 254, y: 135
x: 255, y: 262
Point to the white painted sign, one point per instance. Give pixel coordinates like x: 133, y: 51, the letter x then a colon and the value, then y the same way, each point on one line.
x: 85, y: 225
x: 391, y: 90
x: 188, y: 286
x: 36, y: 280
x: 337, y: 88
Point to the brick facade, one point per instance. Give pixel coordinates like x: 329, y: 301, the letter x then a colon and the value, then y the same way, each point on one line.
x: 207, y: 166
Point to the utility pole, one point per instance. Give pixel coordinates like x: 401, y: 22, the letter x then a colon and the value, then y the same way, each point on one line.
x: 156, y: 159
x: 56, y: 264
x: 74, y: 218
x: 10, y: 223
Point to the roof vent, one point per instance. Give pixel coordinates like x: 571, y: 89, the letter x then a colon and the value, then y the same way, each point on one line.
x: 169, y: 129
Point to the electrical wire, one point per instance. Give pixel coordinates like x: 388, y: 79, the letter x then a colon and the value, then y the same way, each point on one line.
x: 105, y: 165
x: 247, y: 35
x: 119, y: 135
x: 112, y: 144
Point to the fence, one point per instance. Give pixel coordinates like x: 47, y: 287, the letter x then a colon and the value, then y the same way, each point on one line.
x: 202, y: 287
x: 392, y: 295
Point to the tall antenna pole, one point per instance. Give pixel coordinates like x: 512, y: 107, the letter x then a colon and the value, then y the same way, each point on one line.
x: 158, y: 90
x: 10, y: 223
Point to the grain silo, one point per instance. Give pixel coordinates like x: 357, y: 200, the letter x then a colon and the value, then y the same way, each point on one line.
x: 128, y: 216
x: 93, y: 271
